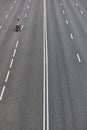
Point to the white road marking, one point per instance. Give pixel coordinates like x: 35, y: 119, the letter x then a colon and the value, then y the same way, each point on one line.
x: 11, y: 7
x: 71, y: 35
x: 2, y: 92
x: 22, y: 27
x: 67, y: 21
x: 82, y: 12
x: 7, y: 76
x: 6, y: 16
x: 14, y: 52
x: 17, y: 44
x: 77, y: 4
x: 61, y: 4
x: 15, y: 1
x: 27, y: 7
x: 45, y: 91
x: 30, y: 0
x: 11, y: 63
x: 0, y: 27
x: 78, y: 58
x: 25, y: 15
x: 63, y: 12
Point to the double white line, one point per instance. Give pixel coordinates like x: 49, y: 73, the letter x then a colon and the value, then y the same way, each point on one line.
x: 45, y: 88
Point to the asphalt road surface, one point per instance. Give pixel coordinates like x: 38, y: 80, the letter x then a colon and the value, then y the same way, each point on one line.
x: 67, y: 65
x: 21, y: 66
x: 43, y: 67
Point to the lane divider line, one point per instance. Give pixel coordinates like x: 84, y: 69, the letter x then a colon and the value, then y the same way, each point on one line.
x: 71, y: 36
x: 78, y: 58
x: 77, y: 4
x: 25, y: 15
x: 11, y: 63
x: 0, y: 27
x: 2, y: 92
x: 63, y: 12
x: 67, y: 21
x: 27, y: 7
x: 6, y: 16
x: 82, y: 12
x: 17, y: 44
x: 11, y: 7
x: 14, y: 52
x: 7, y: 76
x: 61, y: 4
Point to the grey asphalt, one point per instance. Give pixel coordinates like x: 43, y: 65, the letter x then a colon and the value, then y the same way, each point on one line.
x: 67, y: 78
x: 22, y: 102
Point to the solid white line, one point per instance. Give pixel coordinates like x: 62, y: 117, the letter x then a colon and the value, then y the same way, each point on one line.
x: 2, y: 92
x: 82, y: 12
x: 60, y: 4
x: 6, y: 16
x: 63, y: 12
x: 71, y: 35
x: 17, y: 44
x: 67, y: 21
x: 25, y: 15
x: 78, y: 58
x: 11, y: 63
x: 44, y: 67
x: 7, y: 76
x: 46, y: 98
x: 14, y: 53
x: 77, y: 4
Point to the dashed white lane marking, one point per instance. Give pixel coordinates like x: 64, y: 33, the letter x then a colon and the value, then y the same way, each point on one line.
x: 17, y: 44
x: 6, y: 16
x: 14, y: 52
x: 22, y: 27
x: 0, y: 27
x: 63, y: 12
x: 7, y: 76
x: 61, y: 4
x: 78, y: 58
x: 29, y: 0
x: 27, y: 7
x: 11, y: 63
x: 82, y: 12
x: 2, y: 92
x: 11, y: 7
x: 77, y: 4
x: 25, y: 15
x: 71, y: 35
x: 15, y: 1
x: 67, y: 21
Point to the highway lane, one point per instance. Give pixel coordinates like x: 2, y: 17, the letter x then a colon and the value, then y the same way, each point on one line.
x: 21, y: 68
x: 67, y: 61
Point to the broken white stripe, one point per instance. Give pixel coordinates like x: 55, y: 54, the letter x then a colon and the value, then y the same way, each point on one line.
x: 77, y: 4
x: 60, y: 4
x: 11, y: 63
x: 11, y: 7
x: 71, y: 35
x: 0, y: 27
x: 15, y: 1
x: 78, y: 58
x: 22, y: 27
x: 27, y: 7
x: 63, y: 12
x: 82, y: 12
x: 67, y: 21
x: 7, y: 76
x: 14, y: 53
x: 2, y: 92
x: 6, y: 16
x: 25, y: 15
x: 17, y: 44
